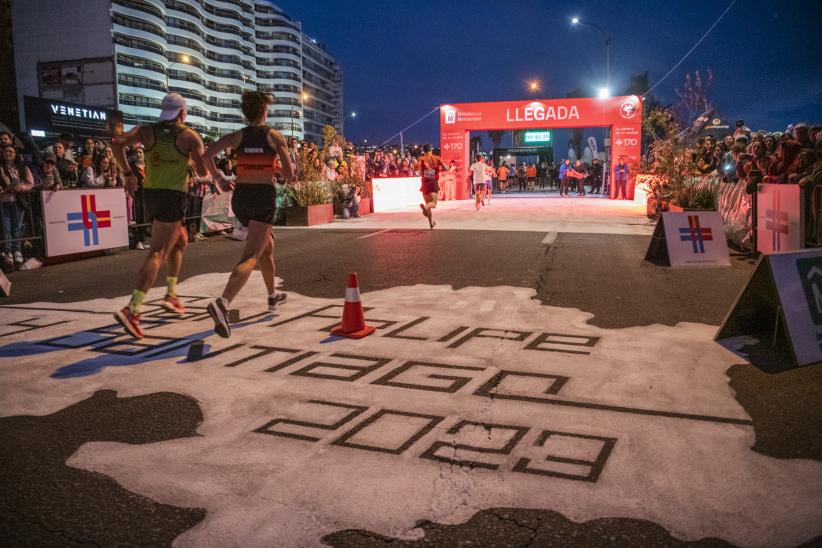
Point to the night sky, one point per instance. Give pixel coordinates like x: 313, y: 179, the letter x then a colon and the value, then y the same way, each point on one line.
x: 401, y: 59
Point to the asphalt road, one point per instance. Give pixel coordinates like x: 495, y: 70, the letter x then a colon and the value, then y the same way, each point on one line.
x: 600, y: 274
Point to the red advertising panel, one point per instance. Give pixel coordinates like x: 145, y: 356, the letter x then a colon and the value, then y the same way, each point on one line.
x: 622, y: 114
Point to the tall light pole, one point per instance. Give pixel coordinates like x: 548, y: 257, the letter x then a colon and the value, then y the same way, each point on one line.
x: 184, y: 59
x: 580, y: 21
x: 605, y: 92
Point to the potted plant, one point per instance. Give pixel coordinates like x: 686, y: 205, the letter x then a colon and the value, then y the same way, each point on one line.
x: 671, y: 162
x: 310, y: 204
x: 696, y: 194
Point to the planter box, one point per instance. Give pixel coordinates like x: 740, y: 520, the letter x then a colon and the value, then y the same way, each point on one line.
x: 677, y: 209
x: 365, y: 206
x: 654, y: 207
x: 310, y: 215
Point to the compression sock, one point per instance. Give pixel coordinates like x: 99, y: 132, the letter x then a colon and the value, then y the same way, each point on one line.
x: 136, y: 301
x: 172, y: 286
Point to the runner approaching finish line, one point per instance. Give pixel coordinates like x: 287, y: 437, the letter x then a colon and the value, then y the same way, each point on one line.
x: 489, y: 179
x: 253, y: 201
x: 170, y: 148
x: 430, y: 167
x: 478, y: 170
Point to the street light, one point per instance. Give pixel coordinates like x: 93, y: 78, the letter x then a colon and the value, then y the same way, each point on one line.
x: 533, y: 85
x: 184, y: 59
x: 303, y: 99
x: 578, y: 21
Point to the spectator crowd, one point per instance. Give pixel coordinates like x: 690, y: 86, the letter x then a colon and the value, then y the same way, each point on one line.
x: 61, y: 166
x: 790, y: 156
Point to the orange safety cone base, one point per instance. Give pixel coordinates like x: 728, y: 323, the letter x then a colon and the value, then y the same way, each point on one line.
x: 367, y: 330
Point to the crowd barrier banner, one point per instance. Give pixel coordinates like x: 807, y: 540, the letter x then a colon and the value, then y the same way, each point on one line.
x: 217, y: 213
x: 781, y: 307
x: 691, y: 239
x: 5, y: 285
x: 82, y: 220
x: 779, y: 218
x: 395, y: 192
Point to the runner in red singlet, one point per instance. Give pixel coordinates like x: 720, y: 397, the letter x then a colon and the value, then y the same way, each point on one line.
x: 254, y: 200
x: 430, y: 167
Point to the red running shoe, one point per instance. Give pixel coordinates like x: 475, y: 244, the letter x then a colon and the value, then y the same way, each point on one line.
x: 130, y: 321
x: 173, y: 305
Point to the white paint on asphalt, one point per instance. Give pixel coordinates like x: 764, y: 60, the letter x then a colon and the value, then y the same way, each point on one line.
x: 549, y: 238
x: 646, y: 414
x: 371, y: 234
x: 589, y: 215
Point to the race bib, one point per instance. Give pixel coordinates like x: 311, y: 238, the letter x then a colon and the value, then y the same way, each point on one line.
x: 429, y: 173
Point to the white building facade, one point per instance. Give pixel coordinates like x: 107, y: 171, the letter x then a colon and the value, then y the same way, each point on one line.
x: 127, y: 54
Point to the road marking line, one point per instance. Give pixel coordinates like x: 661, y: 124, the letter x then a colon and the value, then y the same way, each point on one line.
x: 549, y: 238
x: 374, y: 233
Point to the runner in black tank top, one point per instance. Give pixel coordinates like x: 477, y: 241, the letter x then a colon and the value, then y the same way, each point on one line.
x: 261, y: 154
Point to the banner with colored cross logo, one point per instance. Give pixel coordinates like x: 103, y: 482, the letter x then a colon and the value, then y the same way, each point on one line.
x: 778, y: 218
x: 84, y: 220
x: 695, y: 239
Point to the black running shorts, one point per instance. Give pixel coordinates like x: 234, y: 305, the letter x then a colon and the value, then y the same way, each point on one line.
x: 164, y: 205
x: 254, y: 203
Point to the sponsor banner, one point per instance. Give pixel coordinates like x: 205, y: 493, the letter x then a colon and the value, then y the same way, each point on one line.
x: 798, y: 279
x: 77, y: 221
x: 217, y: 213
x: 584, y: 112
x: 778, y: 210
x: 622, y: 114
x: 48, y: 118
x: 695, y: 239
x: 395, y: 192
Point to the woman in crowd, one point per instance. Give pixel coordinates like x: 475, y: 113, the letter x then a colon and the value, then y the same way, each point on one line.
x: 404, y: 170
x: 770, y: 145
x: 69, y: 173
x: 15, y: 177
x: 330, y: 169
x: 51, y: 177
x: 89, y: 149
x: 137, y: 163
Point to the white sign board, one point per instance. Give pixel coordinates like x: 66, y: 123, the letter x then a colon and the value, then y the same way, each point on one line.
x: 798, y: 279
x: 696, y: 239
x: 395, y: 192
x: 778, y: 210
x: 84, y: 220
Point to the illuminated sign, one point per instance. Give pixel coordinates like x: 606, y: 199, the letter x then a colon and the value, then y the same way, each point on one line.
x: 539, y: 112
x: 537, y: 137
x: 50, y: 118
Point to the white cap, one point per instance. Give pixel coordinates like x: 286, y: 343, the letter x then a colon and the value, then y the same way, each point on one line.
x: 172, y: 105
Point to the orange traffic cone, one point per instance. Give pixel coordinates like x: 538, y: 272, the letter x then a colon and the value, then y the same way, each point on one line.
x: 353, y: 318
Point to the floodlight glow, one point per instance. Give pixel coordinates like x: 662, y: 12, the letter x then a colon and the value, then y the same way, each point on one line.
x: 575, y: 20
x: 604, y: 93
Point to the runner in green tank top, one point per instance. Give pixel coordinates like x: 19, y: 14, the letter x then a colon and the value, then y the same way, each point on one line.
x: 170, y: 150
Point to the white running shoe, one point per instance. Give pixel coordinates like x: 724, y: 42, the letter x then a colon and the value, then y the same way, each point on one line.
x: 219, y: 313
x: 275, y: 300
